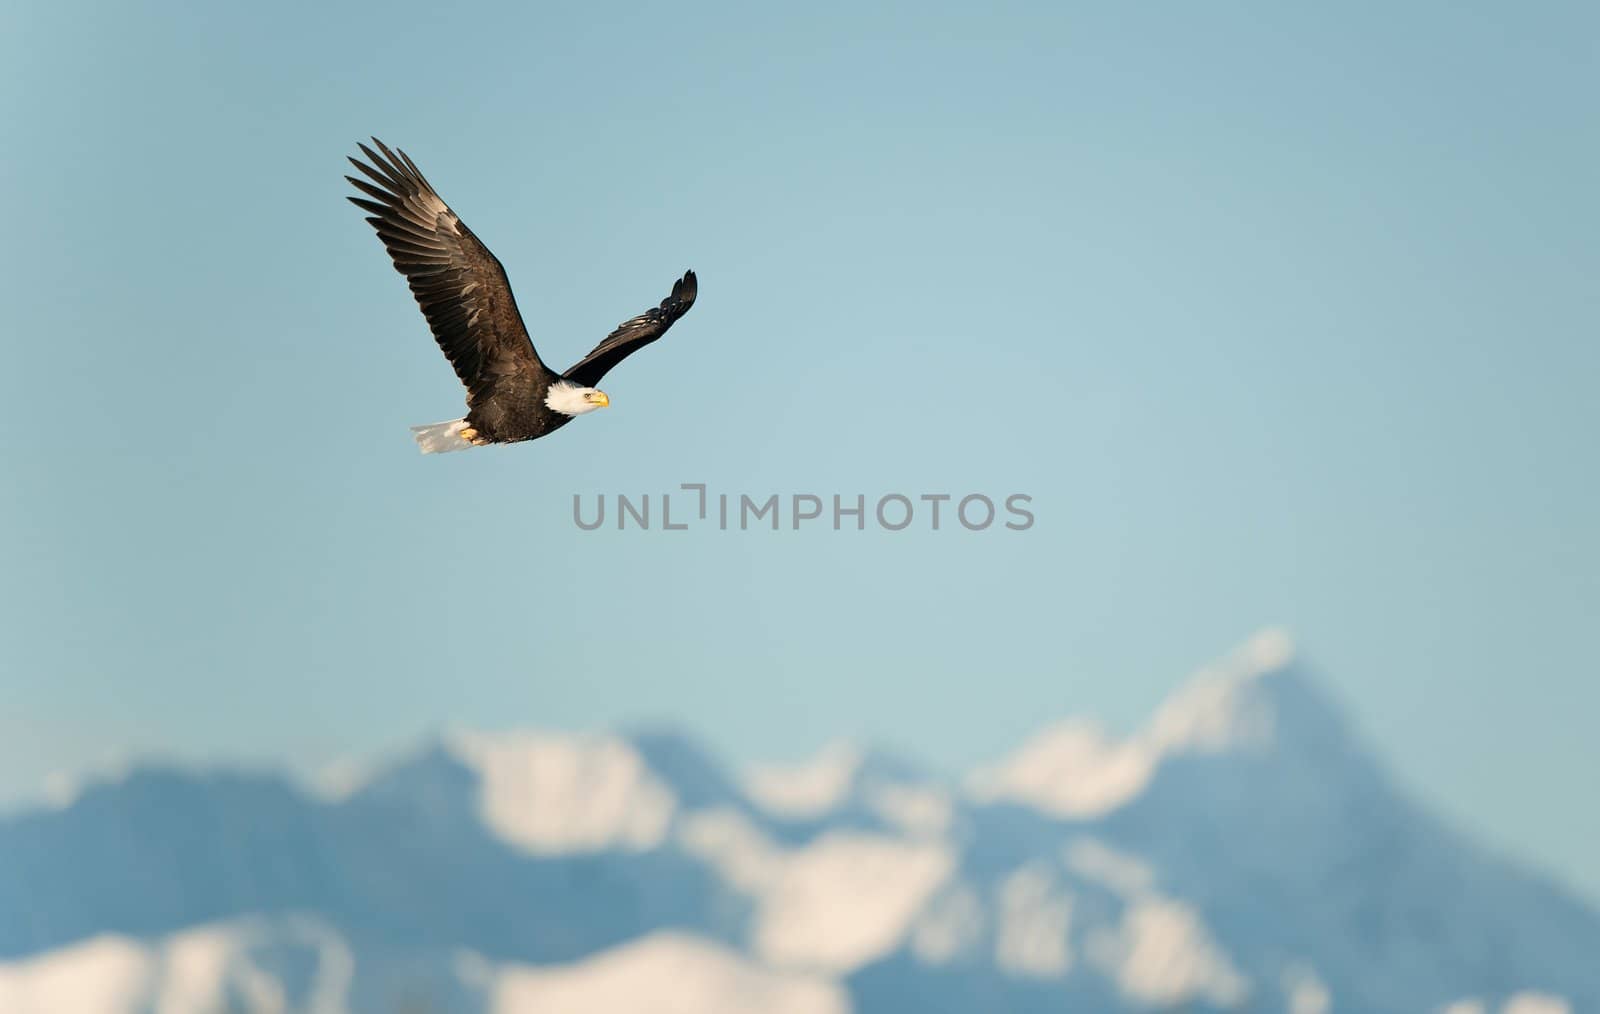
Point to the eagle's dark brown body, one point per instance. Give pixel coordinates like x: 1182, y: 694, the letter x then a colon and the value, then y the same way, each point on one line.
x: 465, y: 295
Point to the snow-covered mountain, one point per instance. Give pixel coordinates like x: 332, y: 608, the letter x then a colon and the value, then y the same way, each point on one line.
x: 1244, y: 851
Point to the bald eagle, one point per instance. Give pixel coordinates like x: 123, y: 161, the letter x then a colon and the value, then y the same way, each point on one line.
x: 464, y: 294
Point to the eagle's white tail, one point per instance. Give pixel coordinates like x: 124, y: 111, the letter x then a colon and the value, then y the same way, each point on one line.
x: 440, y: 437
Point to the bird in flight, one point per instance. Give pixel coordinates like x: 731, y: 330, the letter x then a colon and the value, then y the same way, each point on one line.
x: 466, y: 297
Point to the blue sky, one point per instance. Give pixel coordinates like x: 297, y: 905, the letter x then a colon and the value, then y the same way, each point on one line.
x: 1282, y: 316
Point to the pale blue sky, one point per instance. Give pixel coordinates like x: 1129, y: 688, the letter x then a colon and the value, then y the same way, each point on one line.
x: 1283, y: 316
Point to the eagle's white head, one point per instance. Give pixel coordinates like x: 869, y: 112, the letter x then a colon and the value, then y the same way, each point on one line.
x: 570, y: 399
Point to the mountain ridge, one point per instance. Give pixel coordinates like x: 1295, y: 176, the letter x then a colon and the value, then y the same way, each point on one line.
x: 1243, y: 848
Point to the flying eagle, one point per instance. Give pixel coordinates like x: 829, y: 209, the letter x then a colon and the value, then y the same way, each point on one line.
x: 463, y: 291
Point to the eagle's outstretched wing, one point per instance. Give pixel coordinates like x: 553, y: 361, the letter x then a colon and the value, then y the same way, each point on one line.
x: 460, y: 285
x: 633, y: 335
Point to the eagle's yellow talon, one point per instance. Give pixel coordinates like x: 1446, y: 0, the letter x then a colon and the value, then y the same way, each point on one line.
x: 469, y: 434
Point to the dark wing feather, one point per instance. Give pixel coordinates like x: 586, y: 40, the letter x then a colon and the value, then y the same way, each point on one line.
x: 633, y: 335
x: 460, y: 285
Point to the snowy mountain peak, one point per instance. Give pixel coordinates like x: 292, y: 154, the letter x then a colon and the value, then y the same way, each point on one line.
x: 1252, y: 699
x: 1069, y: 770
x: 1226, y: 704
x: 1259, y: 698
x: 866, y: 788
x: 552, y: 793
x: 809, y: 788
x: 1266, y: 650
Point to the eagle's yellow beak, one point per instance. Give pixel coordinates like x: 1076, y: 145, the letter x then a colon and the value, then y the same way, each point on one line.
x: 600, y: 398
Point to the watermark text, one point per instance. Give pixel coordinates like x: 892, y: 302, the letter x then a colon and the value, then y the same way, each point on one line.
x: 693, y: 505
